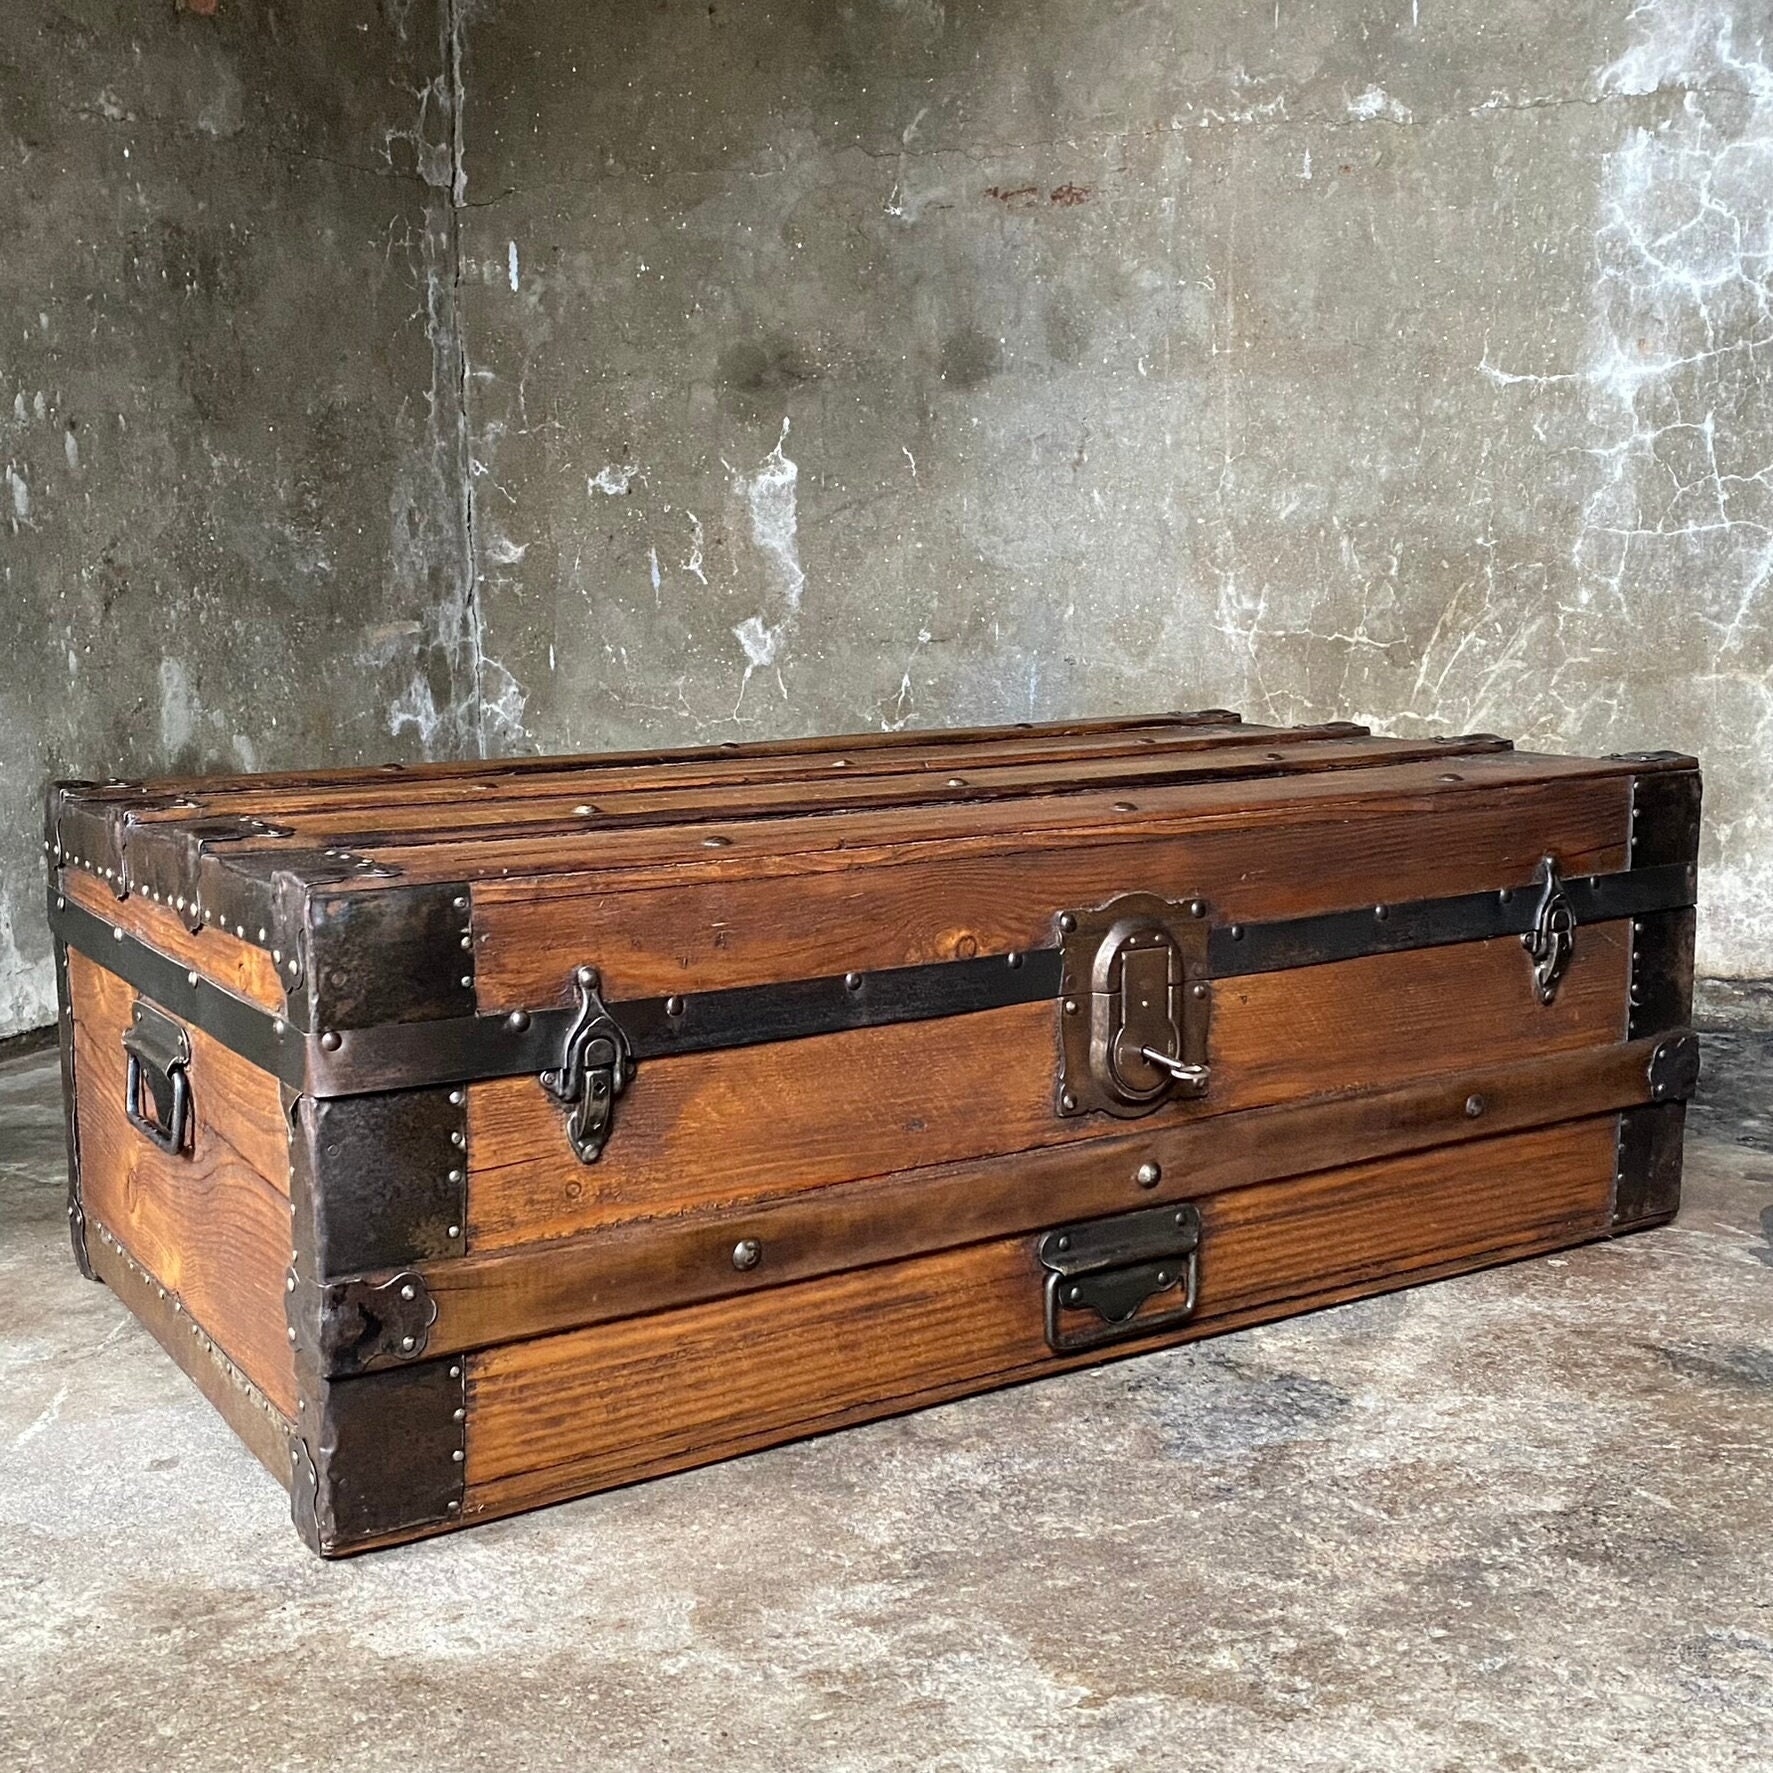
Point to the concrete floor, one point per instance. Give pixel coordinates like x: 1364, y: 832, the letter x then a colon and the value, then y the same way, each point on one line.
x: 1520, y: 1520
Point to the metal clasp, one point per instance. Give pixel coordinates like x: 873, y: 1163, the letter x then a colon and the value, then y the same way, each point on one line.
x: 1112, y: 1267
x: 1134, y: 1005
x: 596, y: 1066
x: 158, y: 1051
x: 1551, y: 942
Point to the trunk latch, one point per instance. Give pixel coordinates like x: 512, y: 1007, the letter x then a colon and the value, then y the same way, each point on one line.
x: 595, y: 1068
x: 1134, y: 1005
x: 1552, y: 940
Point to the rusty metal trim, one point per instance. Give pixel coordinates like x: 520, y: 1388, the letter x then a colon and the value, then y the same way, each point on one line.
x: 382, y: 1453
x: 437, y: 1048
x: 1647, y: 1166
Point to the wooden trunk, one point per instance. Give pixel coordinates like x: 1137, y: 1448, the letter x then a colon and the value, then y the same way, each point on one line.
x: 478, y: 1136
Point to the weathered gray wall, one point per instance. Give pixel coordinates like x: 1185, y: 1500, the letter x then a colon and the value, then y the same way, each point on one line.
x: 823, y: 365
x: 230, y: 530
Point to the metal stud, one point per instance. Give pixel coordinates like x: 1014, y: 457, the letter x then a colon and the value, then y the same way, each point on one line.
x: 1148, y: 1174
x: 455, y: 1371
x: 1474, y: 1106
x: 409, y: 1291
x: 853, y: 981
x: 455, y: 1231
x: 459, y: 1140
x: 457, y: 1098
x: 458, y: 1456
x: 1197, y: 907
x: 460, y: 901
x: 517, y: 1021
x: 408, y: 1343
x: 468, y: 942
x: 455, y: 1175
x: 674, y: 1006
x: 329, y: 1041
x: 747, y: 1253
x: 1067, y: 1101
x: 1067, y: 921
x: 1013, y: 958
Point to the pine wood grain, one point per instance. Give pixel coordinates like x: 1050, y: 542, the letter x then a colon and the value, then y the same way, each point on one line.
x: 582, y: 1411
x: 710, y: 934
x: 716, y: 1130
x: 209, y: 1225
x: 223, y: 959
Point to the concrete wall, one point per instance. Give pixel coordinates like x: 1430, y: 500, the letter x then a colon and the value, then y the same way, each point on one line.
x: 711, y: 370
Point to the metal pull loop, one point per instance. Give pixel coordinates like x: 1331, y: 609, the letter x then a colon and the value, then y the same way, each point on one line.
x: 158, y: 1053
x: 1181, y: 1071
x: 1111, y: 1269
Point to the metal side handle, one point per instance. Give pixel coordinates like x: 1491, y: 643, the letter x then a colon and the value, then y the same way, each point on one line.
x: 157, y: 1053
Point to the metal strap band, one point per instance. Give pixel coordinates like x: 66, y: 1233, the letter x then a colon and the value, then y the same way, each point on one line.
x: 462, y: 1049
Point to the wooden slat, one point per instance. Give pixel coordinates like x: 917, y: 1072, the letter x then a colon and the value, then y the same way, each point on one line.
x: 566, y: 777
x: 528, y: 1290
x: 509, y: 768
x: 1060, y: 820
x: 538, y: 819
x: 716, y: 1130
x: 707, y: 934
x: 582, y: 1411
x: 210, y: 1226
x: 223, y: 959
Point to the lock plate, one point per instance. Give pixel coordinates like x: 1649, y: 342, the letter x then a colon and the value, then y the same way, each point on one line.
x: 1134, y: 1005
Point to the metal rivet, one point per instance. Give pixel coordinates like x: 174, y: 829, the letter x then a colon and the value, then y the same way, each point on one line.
x: 289, y: 1283
x: 409, y: 1291
x: 1073, y: 1295
x: 1381, y: 913
x: 468, y: 942
x: 293, y: 968
x: 467, y: 980
x: 330, y: 1041
x: 747, y: 1253
x: 277, y: 956
x: 277, y: 1027
x: 517, y: 1021
x: 1013, y: 958
x: 1125, y: 806
x: 458, y: 1456
x: 116, y: 935
x: 1164, y: 1277
x: 1237, y: 932
x: 1505, y: 896
x: 191, y: 977
x: 264, y: 935
x: 455, y: 1231
x: 853, y: 981
x: 459, y: 1140
x: 716, y: 843
x: 957, y: 781
x: 455, y: 1175
x: 584, y: 812
x: 586, y: 976
x: 674, y: 1006
x: 460, y: 901
x: 292, y: 1332
x: 1197, y: 907
x: 1067, y: 1101
x: 1148, y: 1175
x: 455, y: 1372
x: 452, y: 1508
x: 408, y: 1343
x: 61, y: 904
x: 1197, y: 991
x: 1474, y: 1106
x: 1063, y: 1243
x: 1071, y: 1006
x: 457, y: 1098
x: 1451, y: 778
x: 459, y: 1416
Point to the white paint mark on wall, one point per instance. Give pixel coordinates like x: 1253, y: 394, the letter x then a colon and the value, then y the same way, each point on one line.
x: 21, y: 493
x: 178, y: 707
x: 502, y: 551
x: 771, y: 498
x: 71, y: 449
x: 613, y: 480
x: 1377, y: 105
x: 511, y: 264
x: 652, y: 565
x: 693, y: 560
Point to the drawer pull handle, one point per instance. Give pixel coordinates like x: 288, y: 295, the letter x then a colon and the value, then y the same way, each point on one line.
x: 1112, y: 1267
